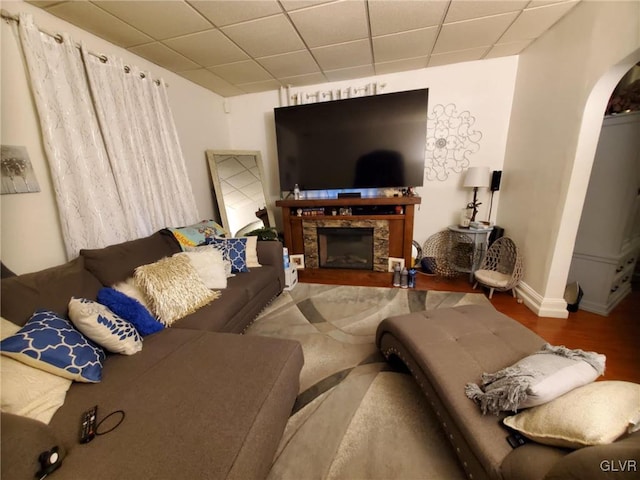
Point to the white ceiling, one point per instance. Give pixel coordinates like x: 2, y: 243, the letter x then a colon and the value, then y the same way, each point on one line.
x: 233, y: 47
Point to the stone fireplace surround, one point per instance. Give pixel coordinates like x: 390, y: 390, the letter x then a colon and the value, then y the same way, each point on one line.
x: 380, y: 239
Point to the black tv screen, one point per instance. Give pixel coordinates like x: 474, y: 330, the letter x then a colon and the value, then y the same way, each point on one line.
x: 364, y: 142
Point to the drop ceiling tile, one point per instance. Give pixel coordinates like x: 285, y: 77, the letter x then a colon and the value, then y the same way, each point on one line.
x: 263, y: 86
x: 473, y: 33
x: 228, y: 168
x: 506, y: 49
x: 290, y: 5
x: 303, y: 80
x: 227, y: 12
x: 165, y: 57
x: 401, y: 15
x: 208, y: 48
x: 211, y: 82
x: 456, y: 57
x: 265, y: 36
x: 398, y: 46
x: 533, y: 22
x: 349, y: 73
x: 43, y: 4
x: 343, y: 55
x: 541, y: 3
x: 468, y: 9
x: 242, y: 72
x: 241, y: 180
x: 159, y: 20
x: 95, y: 20
x: 401, y: 65
x: 331, y: 23
x: 289, y: 64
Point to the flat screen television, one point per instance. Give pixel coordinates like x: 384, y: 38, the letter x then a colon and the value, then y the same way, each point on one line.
x: 376, y: 141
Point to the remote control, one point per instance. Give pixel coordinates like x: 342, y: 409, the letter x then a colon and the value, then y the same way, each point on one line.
x: 88, y: 425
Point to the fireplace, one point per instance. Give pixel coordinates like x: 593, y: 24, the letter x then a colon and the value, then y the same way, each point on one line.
x: 345, y: 247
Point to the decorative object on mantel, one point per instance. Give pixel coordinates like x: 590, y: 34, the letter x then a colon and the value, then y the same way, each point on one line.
x: 476, y: 177
x: 450, y: 139
x: 16, y: 170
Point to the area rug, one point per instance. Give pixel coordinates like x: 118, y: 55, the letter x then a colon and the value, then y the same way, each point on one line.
x: 356, y: 417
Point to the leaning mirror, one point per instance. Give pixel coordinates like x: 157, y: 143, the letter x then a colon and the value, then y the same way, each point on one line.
x: 237, y: 181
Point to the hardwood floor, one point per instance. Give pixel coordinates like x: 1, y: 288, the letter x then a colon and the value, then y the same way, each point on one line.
x: 617, y: 336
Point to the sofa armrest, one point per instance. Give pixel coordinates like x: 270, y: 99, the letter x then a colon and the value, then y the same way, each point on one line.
x: 270, y: 253
x: 620, y: 460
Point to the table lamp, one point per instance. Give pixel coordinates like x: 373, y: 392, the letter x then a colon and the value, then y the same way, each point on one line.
x: 476, y: 177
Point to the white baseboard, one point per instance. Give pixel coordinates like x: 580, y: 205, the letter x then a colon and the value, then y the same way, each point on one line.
x: 541, y: 306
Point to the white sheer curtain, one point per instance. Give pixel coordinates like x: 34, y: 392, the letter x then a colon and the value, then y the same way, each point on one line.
x: 88, y: 202
x: 143, y: 146
x: 112, y: 146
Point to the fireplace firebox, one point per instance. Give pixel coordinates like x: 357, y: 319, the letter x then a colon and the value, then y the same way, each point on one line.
x: 345, y: 247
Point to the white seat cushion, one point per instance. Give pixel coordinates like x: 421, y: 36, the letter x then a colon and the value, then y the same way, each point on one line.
x: 492, y: 278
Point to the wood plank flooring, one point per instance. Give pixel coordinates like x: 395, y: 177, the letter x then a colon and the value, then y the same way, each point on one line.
x: 617, y: 336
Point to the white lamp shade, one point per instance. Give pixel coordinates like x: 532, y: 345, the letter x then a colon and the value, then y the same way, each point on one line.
x: 477, y: 177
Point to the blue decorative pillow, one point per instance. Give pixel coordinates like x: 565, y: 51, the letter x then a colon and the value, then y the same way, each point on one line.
x: 198, y: 234
x: 130, y: 309
x: 234, y: 250
x: 52, y: 344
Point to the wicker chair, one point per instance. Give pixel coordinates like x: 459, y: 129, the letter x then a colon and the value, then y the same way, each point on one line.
x: 501, y: 268
x: 447, y: 253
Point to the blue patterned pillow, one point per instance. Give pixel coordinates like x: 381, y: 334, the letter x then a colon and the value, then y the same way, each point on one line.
x: 130, y: 309
x: 101, y: 325
x: 52, y: 344
x: 234, y: 250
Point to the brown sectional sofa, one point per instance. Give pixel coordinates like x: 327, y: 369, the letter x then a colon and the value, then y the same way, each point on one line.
x: 447, y: 348
x: 200, y: 400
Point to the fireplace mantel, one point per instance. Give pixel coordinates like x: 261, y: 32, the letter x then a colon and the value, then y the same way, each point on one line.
x: 397, y: 213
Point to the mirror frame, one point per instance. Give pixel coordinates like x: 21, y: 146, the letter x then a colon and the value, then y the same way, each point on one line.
x: 213, y: 172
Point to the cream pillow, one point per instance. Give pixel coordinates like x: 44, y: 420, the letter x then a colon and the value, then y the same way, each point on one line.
x: 131, y: 289
x: 252, y: 252
x: 28, y: 391
x: 595, y: 414
x: 209, y: 265
x: 173, y: 287
x: 101, y: 325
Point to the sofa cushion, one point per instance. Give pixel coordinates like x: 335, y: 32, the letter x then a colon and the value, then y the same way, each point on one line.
x: 117, y: 262
x: 28, y: 391
x: 102, y: 326
x: 23, y: 440
x: 594, y: 414
x: 50, y: 289
x: 173, y: 287
x: 224, y: 398
x: 51, y: 343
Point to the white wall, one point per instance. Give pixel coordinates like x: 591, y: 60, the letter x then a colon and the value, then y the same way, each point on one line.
x: 484, y: 88
x: 564, y: 81
x: 30, y: 230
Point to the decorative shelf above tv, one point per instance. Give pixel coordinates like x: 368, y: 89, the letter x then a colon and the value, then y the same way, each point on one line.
x: 389, y: 218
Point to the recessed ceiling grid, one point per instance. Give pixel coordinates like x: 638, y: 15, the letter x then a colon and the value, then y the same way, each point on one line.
x: 234, y: 47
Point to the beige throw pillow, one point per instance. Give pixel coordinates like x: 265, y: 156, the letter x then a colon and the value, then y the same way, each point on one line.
x: 28, y: 391
x: 130, y: 288
x: 173, y: 287
x: 252, y: 252
x: 595, y: 414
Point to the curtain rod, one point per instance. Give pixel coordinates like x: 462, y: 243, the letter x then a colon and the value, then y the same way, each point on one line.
x: 58, y: 38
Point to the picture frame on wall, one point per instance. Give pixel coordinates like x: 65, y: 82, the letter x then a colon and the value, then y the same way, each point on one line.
x: 393, y: 261
x: 297, y: 260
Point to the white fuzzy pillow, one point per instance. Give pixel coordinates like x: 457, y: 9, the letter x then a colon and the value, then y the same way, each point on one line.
x: 131, y: 289
x: 209, y: 265
x: 104, y: 327
x: 28, y: 391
